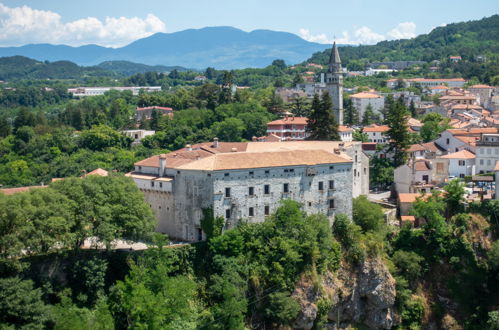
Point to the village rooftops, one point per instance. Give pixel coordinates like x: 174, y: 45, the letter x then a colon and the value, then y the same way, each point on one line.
x: 463, y: 154
x: 438, y: 87
x: 472, y: 131
x: 411, y: 197
x: 366, y: 95
x: 481, y: 86
x: 422, y: 165
x: 12, y: 191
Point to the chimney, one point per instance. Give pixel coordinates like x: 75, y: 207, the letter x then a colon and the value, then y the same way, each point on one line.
x: 162, y: 164
x: 215, y: 142
x: 189, y: 147
x: 337, y: 151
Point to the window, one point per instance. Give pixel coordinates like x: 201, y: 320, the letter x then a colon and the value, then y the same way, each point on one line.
x: 152, y: 183
x: 267, y: 171
x: 161, y: 184
x: 267, y: 210
x: 226, y: 174
x: 251, y: 212
x: 321, y: 185
x: 309, y: 203
x: 285, y: 187
x: 292, y: 170
x: 331, y: 167
x: 331, y: 184
x: 481, y: 161
x: 266, y: 189
x: 355, y: 173
x: 251, y: 191
x: 140, y: 168
x: 227, y: 192
x: 448, y: 141
x: 227, y: 213
x: 200, y: 234
x: 251, y: 173
x: 286, y: 171
x: 331, y: 203
x: 489, y: 151
x: 461, y: 175
x: 461, y: 163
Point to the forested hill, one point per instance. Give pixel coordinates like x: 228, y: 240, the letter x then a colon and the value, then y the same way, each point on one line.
x: 20, y: 67
x: 465, y: 39
x: 130, y: 68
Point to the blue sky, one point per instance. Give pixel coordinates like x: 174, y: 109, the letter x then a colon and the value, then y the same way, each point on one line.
x: 115, y: 23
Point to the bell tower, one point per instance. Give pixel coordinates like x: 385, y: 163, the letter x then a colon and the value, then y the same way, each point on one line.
x: 334, y: 84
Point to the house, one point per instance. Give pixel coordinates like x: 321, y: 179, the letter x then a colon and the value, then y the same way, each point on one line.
x: 405, y: 201
x: 361, y: 100
x: 376, y: 133
x: 414, y: 177
x: 424, y: 150
x: 484, y: 93
x: 145, y: 113
x: 487, y: 152
x: 346, y: 133
x: 245, y: 181
x: 137, y: 134
x: 438, y: 89
x: 94, y: 91
x: 455, y: 59
x: 289, y: 128
x: 425, y: 83
x: 288, y: 95
x: 456, y: 139
x: 461, y: 163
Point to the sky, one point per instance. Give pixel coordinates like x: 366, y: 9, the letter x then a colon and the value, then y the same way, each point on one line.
x: 115, y: 23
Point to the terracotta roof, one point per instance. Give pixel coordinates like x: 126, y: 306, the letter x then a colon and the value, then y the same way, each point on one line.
x: 12, y: 191
x: 471, y: 140
x: 414, y: 122
x: 98, y: 171
x: 463, y: 154
x: 376, y: 128
x: 472, y: 131
x: 410, y: 197
x: 466, y: 106
x: 422, y: 165
x: 429, y: 146
x: 408, y: 218
x: 342, y: 128
x: 438, y: 87
x: 232, y: 161
x: 154, y: 108
x: 457, y: 97
x: 481, y: 86
x: 290, y: 120
x: 366, y: 95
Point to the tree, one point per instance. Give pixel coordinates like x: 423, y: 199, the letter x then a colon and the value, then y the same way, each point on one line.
x: 408, y: 264
x: 5, y: 128
x: 210, y: 73
x: 300, y: 106
x: 321, y: 124
x: 454, y: 197
x: 351, y: 113
x: 368, y: 118
x: 398, y: 132
x: 229, y: 130
x: 367, y: 215
x: 412, y: 109
x: 359, y: 135
x: 21, y: 304
x: 25, y: 117
x: 279, y: 64
x: 283, y: 309
x: 297, y: 79
x: 100, y: 137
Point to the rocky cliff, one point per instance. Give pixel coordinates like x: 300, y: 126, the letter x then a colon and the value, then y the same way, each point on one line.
x: 364, y: 294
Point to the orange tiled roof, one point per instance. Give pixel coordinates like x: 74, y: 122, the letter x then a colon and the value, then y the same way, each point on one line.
x: 366, y: 95
x: 97, y: 171
x: 376, y: 128
x: 463, y: 154
x: 410, y: 197
x: 342, y: 128
x: 408, y: 218
x: 438, y: 87
x: 12, y: 191
x: 422, y: 165
x: 481, y: 86
x: 290, y: 120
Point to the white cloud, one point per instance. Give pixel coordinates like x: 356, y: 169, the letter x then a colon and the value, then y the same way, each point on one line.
x: 405, y: 30
x: 363, y: 35
x: 21, y: 25
x: 319, y: 38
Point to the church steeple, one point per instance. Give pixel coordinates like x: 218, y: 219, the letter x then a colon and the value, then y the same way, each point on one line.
x: 334, y: 84
x: 334, y: 60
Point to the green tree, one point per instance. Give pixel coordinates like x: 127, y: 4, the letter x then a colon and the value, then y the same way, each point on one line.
x: 321, y: 124
x: 229, y: 130
x: 351, y: 113
x: 359, y: 135
x: 367, y: 215
x: 369, y: 117
x: 408, y: 264
x: 279, y: 64
x: 100, y: 137
x: 283, y: 309
x: 21, y: 304
x: 412, y: 109
x: 398, y: 132
x: 5, y: 128
x: 454, y: 197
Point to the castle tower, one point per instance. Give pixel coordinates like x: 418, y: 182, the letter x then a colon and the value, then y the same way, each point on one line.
x: 334, y: 84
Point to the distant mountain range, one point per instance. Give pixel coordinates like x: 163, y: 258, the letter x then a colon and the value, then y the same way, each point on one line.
x: 219, y: 47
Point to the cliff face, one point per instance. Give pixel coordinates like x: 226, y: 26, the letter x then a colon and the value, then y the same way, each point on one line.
x: 361, y: 295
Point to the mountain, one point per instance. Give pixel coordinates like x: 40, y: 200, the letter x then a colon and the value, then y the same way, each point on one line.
x: 466, y: 39
x: 219, y: 47
x: 20, y: 67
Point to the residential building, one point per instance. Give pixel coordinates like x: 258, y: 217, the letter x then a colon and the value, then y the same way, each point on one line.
x: 424, y: 150
x: 93, y: 91
x: 405, y: 202
x: 363, y: 99
x: 484, y: 93
x: 425, y: 83
x: 496, y: 169
x: 461, y: 163
x: 414, y: 177
x: 346, y: 133
x: 376, y: 133
x: 334, y: 84
x: 137, y: 134
x: 245, y: 181
x: 456, y: 139
x: 487, y: 152
x: 289, y: 128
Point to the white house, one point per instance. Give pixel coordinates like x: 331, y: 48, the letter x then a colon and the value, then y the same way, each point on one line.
x: 461, y: 163
x: 376, y: 133
x: 137, y: 134
x: 361, y: 100
x: 346, y: 133
x: 487, y: 153
x: 414, y: 177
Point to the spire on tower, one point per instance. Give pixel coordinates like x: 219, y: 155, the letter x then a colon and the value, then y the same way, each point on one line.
x: 334, y: 60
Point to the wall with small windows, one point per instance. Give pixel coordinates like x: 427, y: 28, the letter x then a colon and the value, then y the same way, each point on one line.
x: 251, y: 195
